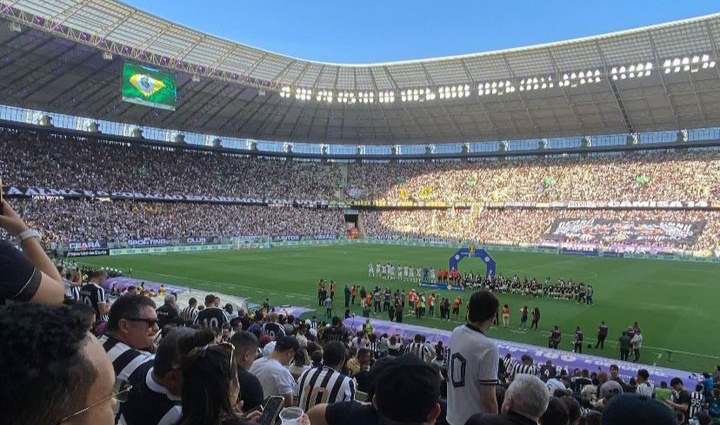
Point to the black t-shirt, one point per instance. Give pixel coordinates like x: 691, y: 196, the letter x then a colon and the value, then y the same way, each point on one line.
x: 363, y: 379
x: 335, y: 334
x: 351, y: 413
x: 274, y: 330
x: 19, y: 278
x: 93, y: 295
x: 251, y: 392
x: 683, y: 397
x: 149, y: 402
x: 167, y: 315
x: 212, y: 317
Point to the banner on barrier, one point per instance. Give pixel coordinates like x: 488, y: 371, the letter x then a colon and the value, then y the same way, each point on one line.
x: 86, y: 245
x: 623, y: 233
x: 32, y: 192
x: 89, y: 253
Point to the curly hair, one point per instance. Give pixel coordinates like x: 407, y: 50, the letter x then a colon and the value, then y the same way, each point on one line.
x: 44, y: 375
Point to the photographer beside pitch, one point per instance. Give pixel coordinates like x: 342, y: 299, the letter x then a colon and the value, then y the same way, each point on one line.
x: 28, y: 275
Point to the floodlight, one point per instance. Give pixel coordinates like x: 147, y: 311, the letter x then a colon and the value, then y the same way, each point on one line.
x: 712, y: 64
x: 695, y: 59
x: 685, y: 60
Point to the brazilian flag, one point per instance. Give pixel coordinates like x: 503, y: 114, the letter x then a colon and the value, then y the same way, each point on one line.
x: 148, y: 86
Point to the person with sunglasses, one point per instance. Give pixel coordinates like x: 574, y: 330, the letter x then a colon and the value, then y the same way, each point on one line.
x: 52, y: 370
x: 131, y: 330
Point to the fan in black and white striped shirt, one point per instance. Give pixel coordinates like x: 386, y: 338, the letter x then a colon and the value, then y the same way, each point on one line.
x: 420, y: 349
x: 508, y: 364
x: 526, y: 367
x: 132, y: 327
x: 93, y: 294
x: 326, y: 384
x: 189, y: 313
x: 697, y: 399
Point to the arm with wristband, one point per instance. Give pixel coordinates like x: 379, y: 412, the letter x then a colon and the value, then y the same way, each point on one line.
x: 30, y: 275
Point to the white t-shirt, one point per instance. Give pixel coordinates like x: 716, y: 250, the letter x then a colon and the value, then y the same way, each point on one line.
x: 473, y: 364
x: 645, y: 389
x: 274, y: 378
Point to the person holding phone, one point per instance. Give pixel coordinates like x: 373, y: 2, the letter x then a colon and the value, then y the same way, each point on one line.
x: 210, y: 390
x: 28, y: 275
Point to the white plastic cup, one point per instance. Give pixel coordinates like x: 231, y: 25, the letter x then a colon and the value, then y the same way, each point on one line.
x: 291, y: 415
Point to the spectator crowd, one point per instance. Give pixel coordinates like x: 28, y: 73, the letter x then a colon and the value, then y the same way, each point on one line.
x: 80, y: 220
x: 526, y: 225
x: 96, y: 359
x: 67, y: 163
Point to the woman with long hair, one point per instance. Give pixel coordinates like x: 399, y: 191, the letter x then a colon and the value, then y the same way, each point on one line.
x: 210, y: 388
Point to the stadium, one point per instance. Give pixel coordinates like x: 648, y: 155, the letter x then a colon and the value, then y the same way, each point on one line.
x: 561, y: 198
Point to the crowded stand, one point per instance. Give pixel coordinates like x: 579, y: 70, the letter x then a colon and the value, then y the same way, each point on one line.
x: 171, y: 363
x: 61, y: 162
x: 533, y: 226
x: 676, y: 176
x: 487, y: 219
x: 205, y: 361
x: 70, y: 220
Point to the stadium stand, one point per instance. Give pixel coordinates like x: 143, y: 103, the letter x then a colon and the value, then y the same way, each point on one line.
x: 79, y: 186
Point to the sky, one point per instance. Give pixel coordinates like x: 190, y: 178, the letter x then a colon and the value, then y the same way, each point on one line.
x: 369, y: 31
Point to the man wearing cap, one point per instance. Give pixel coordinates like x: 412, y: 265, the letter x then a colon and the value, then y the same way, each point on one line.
x: 473, y: 363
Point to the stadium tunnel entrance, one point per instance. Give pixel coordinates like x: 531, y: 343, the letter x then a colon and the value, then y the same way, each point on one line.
x: 352, y: 228
x: 463, y: 253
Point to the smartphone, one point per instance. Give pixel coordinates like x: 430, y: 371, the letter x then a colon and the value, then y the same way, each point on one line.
x: 271, y: 409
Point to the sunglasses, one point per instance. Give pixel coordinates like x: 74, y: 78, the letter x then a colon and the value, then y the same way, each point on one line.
x: 227, y: 347
x: 120, y: 394
x: 150, y: 322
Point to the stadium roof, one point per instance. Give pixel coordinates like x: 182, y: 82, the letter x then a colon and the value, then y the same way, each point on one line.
x: 66, y: 56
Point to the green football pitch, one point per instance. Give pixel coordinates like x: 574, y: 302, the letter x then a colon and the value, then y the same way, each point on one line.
x: 676, y: 303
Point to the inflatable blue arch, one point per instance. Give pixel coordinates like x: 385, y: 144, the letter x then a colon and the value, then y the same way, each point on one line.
x: 463, y: 253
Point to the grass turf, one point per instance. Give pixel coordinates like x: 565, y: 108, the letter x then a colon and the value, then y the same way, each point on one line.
x: 674, y: 302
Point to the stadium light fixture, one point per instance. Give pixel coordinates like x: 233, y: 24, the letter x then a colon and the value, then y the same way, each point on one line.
x: 635, y: 70
x: 694, y: 63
